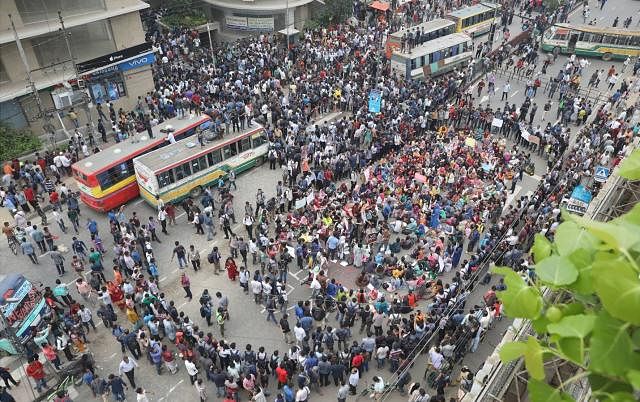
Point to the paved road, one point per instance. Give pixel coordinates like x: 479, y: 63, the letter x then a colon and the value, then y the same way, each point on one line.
x: 247, y: 324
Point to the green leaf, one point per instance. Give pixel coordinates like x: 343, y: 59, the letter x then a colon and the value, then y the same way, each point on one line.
x: 540, y: 324
x: 573, y: 348
x: 542, y: 392
x: 610, y: 347
x: 570, y: 237
x: 574, y: 326
x: 512, y: 351
x: 541, y: 248
x: 572, y: 308
x: 618, y: 286
x: 621, y: 397
x: 634, y: 378
x: 582, y: 260
x: 533, y: 358
x: 556, y: 271
x: 520, y: 300
x: 630, y: 167
x: 601, y: 385
x: 615, y: 236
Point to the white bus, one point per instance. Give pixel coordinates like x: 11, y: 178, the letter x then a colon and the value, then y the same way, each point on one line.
x: 432, y: 30
x: 434, y: 57
x: 184, y: 169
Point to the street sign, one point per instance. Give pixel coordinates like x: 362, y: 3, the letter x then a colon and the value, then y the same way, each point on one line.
x: 601, y: 174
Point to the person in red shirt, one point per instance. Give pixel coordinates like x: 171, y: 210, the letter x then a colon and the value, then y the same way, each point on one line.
x: 54, y: 199
x: 35, y: 370
x: 282, y: 375
x: 357, y: 361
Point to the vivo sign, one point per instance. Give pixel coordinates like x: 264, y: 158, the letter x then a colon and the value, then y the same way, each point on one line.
x: 137, y: 62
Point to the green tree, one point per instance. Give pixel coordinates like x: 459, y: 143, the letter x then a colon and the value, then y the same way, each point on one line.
x: 183, y: 13
x: 333, y: 12
x: 594, y: 322
x: 16, y: 142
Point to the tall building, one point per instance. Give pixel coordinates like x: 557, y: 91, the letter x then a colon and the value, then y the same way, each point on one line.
x: 260, y: 15
x: 107, y: 42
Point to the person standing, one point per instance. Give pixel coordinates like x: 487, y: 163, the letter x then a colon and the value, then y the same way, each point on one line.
x: 58, y: 260
x: 117, y: 387
x: 186, y: 285
x: 193, y: 256
x: 127, y: 367
x: 201, y: 389
x: 220, y: 319
x: 28, y: 250
x: 162, y: 217
x: 7, y: 378
x: 505, y: 91
x: 286, y: 328
x: 181, y: 253
x: 192, y: 370
x: 343, y: 391
x: 214, y: 258
x: 35, y: 370
x: 354, y: 378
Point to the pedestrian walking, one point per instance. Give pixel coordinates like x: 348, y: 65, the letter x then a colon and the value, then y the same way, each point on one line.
x: 186, y: 285
x: 127, y: 367
x: 193, y: 257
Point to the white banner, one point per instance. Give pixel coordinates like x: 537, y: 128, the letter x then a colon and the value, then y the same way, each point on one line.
x: 233, y: 21
x: 260, y: 23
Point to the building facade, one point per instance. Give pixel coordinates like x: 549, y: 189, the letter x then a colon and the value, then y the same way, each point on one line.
x: 259, y: 15
x: 107, y: 42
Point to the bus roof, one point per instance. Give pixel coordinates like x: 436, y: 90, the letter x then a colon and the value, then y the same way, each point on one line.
x: 434, y: 45
x: 428, y: 26
x: 166, y: 157
x: 473, y: 10
x: 122, y: 151
x: 597, y: 29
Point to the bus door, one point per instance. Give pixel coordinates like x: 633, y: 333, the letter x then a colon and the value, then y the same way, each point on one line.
x: 573, y: 39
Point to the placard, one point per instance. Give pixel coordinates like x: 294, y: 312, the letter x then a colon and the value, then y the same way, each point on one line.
x: 497, y: 122
x: 301, y: 203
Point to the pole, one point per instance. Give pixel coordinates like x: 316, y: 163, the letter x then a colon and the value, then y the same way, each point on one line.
x: 85, y: 97
x: 47, y: 127
x: 286, y: 18
x: 211, y: 46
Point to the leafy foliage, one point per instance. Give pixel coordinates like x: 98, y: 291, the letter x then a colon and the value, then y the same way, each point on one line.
x: 183, y: 13
x: 594, y: 267
x: 333, y: 12
x: 16, y: 142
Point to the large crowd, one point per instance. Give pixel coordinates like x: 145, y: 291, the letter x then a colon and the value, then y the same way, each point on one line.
x: 359, y: 188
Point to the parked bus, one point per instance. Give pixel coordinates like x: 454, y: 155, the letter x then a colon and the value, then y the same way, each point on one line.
x: 477, y: 19
x: 106, y: 180
x: 434, y: 57
x: 588, y: 40
x: 184, y: 169
x: 431, y: 30
x: 24, y: 310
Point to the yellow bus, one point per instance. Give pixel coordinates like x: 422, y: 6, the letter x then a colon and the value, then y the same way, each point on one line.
x: 589, y: 40
x: 433, y: 58
x: 432, y: 30
x: 475, y: 20
x: 184, y: 169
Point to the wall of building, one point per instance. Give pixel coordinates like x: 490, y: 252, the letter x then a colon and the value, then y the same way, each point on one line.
x: 127, y: 30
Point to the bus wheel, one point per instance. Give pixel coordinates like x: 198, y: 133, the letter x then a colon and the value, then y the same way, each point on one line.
x: 195, y: 192
x: 607, y: 56
x: 259, y: 160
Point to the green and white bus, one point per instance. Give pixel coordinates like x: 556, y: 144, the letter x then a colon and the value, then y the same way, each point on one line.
x: 433, y: 58
x: 589, y: 40
x: 184, y: 169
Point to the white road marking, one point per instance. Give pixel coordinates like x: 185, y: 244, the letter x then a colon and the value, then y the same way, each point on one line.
x: 171, y: 390
x: 484, y: 99
x: 140, y: 201
x: 514, y: 94
x: 182, y: 305
x: 164, y: 278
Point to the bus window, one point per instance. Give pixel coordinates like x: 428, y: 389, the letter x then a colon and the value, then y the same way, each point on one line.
x: 198, y: 164
x: 165, y: 178
x: 608, y: 39
x: 634, y: 41
x: 454, y: 50
x: 229, y: 150
x: 413, y: 64
x: 116, y: 174
x: 182, y: 171
x: 257, y: 140
x: 214, y: 157
x: 596, y: 38
x: 244, y: 144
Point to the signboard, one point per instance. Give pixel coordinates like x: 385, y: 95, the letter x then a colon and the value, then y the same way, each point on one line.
x: 497, y: 122
x: 114, y: 57
x: 375, y: 101
x: 235, y: 22
x: 260, y: 23
x: 24, y: 311
x: 601, y: 174
x: 579, y: 201
x: 140, y: 61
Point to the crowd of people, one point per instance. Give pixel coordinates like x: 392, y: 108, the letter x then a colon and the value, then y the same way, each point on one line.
x: 359, y: 188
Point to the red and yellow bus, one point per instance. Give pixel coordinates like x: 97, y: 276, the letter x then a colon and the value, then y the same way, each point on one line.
x: 107, y: 180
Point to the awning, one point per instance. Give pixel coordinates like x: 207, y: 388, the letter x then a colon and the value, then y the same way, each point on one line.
x: 379, y: 5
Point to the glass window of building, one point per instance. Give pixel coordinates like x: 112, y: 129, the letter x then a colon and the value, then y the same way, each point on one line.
x: 32, y: 11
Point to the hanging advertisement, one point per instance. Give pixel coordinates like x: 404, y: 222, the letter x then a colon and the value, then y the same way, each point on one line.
x: 260, y: 23
x: 235, y: 22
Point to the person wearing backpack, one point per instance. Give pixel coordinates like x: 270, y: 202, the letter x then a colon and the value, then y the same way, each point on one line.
x: 205, y: 312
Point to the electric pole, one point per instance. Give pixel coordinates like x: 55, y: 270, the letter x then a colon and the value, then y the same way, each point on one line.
x: 47, y: 127
x: 86, y: 100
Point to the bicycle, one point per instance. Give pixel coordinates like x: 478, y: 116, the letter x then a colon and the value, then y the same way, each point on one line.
x: 64, y: 385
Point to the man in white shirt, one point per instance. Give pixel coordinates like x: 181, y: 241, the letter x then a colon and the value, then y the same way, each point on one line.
x: 436, y: 358
x: 192, y: 370
x: 127, y: 367
x: 300, y: 334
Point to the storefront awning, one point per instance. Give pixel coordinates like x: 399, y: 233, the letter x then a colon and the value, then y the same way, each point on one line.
x: 379, y: 5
